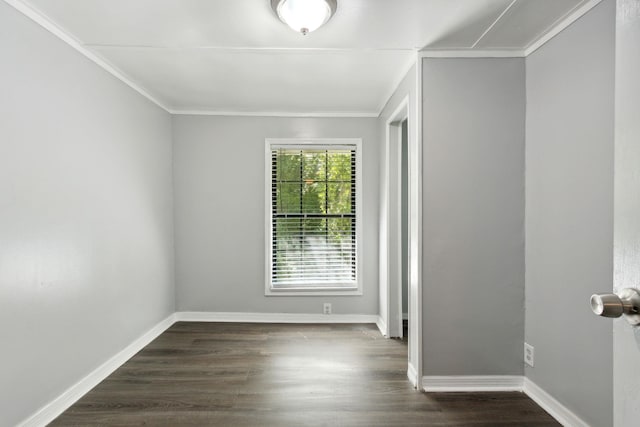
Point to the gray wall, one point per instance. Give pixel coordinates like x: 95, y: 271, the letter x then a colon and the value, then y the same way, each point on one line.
x: 86, y: 252
x: 569, y: 199
x: 626, y: 347
x: 473, y: 216
x: 220, y: 208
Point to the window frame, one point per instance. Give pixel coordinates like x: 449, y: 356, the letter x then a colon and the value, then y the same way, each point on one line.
x: 302, y: 143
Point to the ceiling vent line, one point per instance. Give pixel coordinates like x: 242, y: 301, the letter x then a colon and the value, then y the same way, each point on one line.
x: 504, y: 12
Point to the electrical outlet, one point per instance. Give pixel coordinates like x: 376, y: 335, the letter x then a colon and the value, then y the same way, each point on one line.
x: 528, y: 354
x: 327, y: 308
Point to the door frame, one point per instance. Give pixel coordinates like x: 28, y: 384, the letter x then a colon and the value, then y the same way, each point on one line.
x: 393, y: 205
x: 390, y: 268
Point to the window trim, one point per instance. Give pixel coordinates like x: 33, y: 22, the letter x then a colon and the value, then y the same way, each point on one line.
x: 302, y: 143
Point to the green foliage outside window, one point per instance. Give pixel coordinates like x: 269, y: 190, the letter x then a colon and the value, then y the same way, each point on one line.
x: 314, y: 214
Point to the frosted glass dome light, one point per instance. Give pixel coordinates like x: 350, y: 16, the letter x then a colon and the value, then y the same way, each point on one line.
x: 304, y: 16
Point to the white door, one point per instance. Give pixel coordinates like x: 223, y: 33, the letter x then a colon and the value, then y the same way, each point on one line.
x: 626, y: 339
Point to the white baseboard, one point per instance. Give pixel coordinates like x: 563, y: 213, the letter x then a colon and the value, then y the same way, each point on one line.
x: 412, y: 374
x: 382, y: 325
x: 471, y: 383
x: 53, y: 409
x: 547, y: 402
x: 199, y: 316
x: 429, y: 383
x: 405, y: 316
x: 504, y: 383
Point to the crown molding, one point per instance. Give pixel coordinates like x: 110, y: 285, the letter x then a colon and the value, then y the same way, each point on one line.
x: 63, y: 35
x: 561, y: 25
x: 48, y: 25
x: 555, y: 29
x: 395, y: 84
x: 469, y: 53
x: 309, y: 114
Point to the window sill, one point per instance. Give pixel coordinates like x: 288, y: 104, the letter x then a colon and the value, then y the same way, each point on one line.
x: 308, y: 292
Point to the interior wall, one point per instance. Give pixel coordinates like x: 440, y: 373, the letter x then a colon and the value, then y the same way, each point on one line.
x: 570, y: 90
x: 473, y: 210
x: 569, y: 225
x: 220, y: 210
x: 86, y: 251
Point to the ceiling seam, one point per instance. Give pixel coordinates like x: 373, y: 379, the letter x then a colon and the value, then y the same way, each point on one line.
x: 46, y: 23
x: 41, y: 19
x: 254, y: 49
x: 494, y: 23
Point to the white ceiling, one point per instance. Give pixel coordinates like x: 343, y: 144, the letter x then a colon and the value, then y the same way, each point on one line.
x: 235, y: 56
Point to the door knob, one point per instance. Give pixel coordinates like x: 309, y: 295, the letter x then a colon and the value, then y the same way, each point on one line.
x: 626, y: 302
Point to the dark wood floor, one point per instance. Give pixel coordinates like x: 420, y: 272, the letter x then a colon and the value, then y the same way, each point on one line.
x: 233, y: 374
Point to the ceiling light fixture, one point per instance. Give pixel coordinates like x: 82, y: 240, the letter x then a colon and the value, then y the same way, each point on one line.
x: 304, y: 16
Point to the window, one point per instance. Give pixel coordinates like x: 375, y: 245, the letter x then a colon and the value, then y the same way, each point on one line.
x: 313, y: 222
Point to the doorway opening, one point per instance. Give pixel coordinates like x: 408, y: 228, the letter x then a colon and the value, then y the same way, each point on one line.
x: 400, y: 237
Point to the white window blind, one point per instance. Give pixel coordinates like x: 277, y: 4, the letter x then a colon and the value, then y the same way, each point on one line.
x: 313, y: 217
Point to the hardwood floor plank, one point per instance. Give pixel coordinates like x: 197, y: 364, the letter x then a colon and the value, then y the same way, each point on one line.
x: 240, y: 374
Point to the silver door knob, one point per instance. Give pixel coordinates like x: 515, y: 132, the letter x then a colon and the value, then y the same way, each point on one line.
x: 626, y: 302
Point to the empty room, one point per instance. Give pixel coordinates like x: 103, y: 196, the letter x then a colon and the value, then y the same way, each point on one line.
x: 320, y: 213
